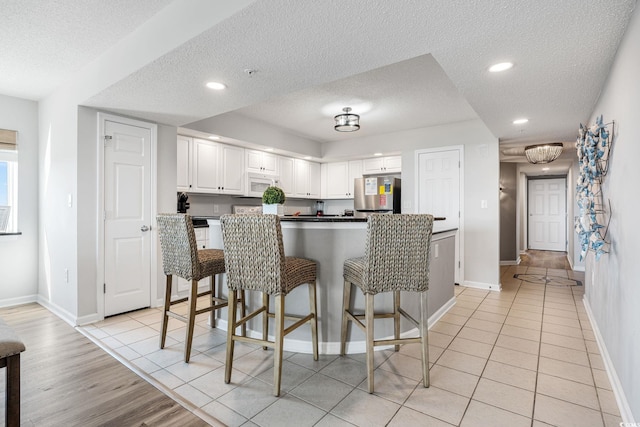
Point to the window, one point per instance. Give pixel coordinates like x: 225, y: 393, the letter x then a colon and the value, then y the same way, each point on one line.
x: 8, y: 182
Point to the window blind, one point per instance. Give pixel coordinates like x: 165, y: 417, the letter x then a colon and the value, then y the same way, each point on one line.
x: 8, y: 139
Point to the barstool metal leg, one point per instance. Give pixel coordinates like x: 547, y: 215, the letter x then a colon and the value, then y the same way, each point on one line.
x: 369, y: 317
x: 167, y: 307
x: 265, y: 318
x: 279, y: 342
x: 313, y: 308
x: 424, y: 334
x: 191, y: 319
x: 396, y: 317
x: 346, y: 306
x: 231, y: 328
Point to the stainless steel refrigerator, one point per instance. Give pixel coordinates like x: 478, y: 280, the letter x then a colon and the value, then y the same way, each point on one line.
x: 377, y: 194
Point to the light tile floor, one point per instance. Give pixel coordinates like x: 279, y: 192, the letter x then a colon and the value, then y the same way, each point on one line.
x: 523, y: 356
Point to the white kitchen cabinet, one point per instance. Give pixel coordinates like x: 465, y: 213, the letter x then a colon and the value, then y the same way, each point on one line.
x: 205, y: 177
x: 184, y: 163
x: 217, y: 168
x: 287, y: 175
x: 338, y: 179
x: 232, y: 170
x: 261, y: 162
x: 307, y: 179
x: 390, y: 164
x: 202, y: 240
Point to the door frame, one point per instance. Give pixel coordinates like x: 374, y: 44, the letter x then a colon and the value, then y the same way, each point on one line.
x: 100, y: 273
x: 460, y: 234
x: 566, y: 207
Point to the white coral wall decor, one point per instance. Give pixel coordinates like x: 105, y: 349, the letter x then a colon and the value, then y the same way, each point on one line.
x: 593, y: 147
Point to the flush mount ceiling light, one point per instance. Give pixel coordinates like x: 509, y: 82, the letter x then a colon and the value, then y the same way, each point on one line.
x: 216, y: 86
x: 503, y: 66
x: 543, y: 153
x: 347, y: 122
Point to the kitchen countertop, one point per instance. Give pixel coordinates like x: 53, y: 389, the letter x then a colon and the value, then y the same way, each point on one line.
x: 299, y: 218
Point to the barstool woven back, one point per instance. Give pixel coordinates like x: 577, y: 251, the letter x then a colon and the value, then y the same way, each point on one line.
x: 254, y: 253
x: 397, y: 253
x: 179, y: 247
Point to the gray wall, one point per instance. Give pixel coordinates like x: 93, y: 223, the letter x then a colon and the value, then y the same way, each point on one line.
x: 508, y: 201
x: 19, y: 254
x: 612, y: 291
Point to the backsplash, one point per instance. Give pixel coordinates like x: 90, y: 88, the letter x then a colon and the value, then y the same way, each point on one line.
x: 215, y: 205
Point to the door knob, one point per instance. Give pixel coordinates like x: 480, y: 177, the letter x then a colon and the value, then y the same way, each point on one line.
x: 144, y: 228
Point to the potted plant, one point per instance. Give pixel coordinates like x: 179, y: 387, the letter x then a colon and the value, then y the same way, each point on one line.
x: 272, y: 200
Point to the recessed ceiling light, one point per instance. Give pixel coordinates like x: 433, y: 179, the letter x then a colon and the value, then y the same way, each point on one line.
x: 268, y: 149
x: 520, y: 121
x: 307, y: 157
x: 216, y: 86
x: 377, y: 154
x: 214, y: 137
x: 545, y: 169
x: 503, y: 66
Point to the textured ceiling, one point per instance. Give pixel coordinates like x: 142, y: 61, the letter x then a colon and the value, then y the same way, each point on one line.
x: 44, y: 42
x: 407, y: 63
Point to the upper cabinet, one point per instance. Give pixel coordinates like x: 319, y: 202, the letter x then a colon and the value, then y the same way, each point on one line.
x: 338, y: 179
x: 306, y: 179
x: 376, y: 165
x: 261, y: 162
x: 184, y: 163
x: 287, y: 175
x: 216, y: 168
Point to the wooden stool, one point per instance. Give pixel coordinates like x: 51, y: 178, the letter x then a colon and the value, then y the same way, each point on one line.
x: 10, y: 349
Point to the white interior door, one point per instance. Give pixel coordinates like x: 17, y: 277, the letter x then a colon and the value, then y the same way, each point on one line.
x: 547, y: 214
x: 439, y: 191
x: 127, y: 205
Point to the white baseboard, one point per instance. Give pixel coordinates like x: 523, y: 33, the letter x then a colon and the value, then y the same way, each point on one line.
x: 618, y: 391
x: 513, y: 262
x: 353, y: 347
x: 58, y: 311
x: 482, y: 285
x: 12, y: 302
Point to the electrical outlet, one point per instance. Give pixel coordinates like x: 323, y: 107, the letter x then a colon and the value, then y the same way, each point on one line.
x: 483, y: 204
x: 216, y: 209
x: 66, y: 275
x: 436, y: 250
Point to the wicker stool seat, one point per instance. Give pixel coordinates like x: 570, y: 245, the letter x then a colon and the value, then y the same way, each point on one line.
x: 396, y: 259
x: 181, y: 257
x: 255, y: 261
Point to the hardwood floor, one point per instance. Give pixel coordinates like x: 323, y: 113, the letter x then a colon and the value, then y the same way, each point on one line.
x: 67, y: 380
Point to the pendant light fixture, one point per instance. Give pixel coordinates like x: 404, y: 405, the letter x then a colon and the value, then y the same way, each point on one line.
x: 543, y: 153
x: 347, y: 122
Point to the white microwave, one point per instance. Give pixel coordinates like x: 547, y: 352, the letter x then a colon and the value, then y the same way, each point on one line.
x: 257, y: 183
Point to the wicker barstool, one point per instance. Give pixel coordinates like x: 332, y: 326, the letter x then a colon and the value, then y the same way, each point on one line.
x: 255, y: 261
x: 181, y: 257
x: 396, y: 259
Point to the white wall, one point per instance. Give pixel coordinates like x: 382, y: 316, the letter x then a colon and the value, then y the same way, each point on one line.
x: 481, y: 182
x: 612, y: 284
x: 19, y: 254
x: 67, y: 155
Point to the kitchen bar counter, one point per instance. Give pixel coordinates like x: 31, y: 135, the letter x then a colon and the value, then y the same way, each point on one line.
x: 330, y: 241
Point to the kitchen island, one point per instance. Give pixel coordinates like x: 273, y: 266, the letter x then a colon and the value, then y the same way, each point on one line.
x: 329, y: 241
